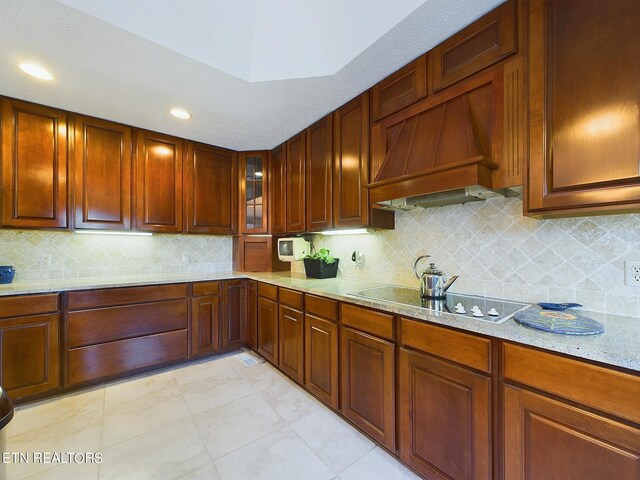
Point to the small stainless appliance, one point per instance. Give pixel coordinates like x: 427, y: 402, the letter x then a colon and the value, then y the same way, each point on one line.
x: 433, y: 283
x: 293, y: 248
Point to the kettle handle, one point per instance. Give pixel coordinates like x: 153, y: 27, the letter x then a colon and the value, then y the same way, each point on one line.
x: 415, y: 265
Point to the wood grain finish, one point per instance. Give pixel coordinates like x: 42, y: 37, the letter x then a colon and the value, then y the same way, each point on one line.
x: 320, y: 306
x: 30, y: 355
x: 211, y: 187
x: 206, y: 288
x: 267, y: 290
x: 584, y: 121
x: 102, y: 170
x: 295, y: 197
x: 607, y: 390
x: 444, y: 418
x: 268, y: 328
x: 34, y: 165
x: 400, y: 89
x: 205, y: 325
x: 254, y: 192
x: 291, y: 342
x: 368, y: 384
x: 351, y: 163
x: 106, y: 360
x: 22, y: 305
x: 278, y: 190
x: 476, y: 47
x: 544, y: 439
x: 291, y: 298
x: 252, y: 314
x: 158, y: 182
x: 319, y: 175
x: 234, y: 314
x: 257, y: 253
x: 120, y: 296
x: 370, y: 321
x: 463, y: 348
x: 321, y: 359
x: 511, y: 171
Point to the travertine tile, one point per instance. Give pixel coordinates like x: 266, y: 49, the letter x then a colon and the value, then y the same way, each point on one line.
x: 378, y: 464
x: 212, y: 392
x: 132, y: 389
x: 290, y: 401
x: 203, y: 369
x: 261, y: 376
x: 206, y: 472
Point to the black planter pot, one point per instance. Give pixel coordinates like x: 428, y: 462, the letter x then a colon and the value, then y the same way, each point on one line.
x: 318, y: 269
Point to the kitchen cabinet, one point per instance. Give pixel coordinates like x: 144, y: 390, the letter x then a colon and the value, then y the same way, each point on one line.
x: 321, y: 349
x: 566, y: 418
x: 367, y: 366
x: 118, y: 331
x: 257, y: 253
x: 319, y: 173
x: 400, y: 89
x: 295, y: 196
x: 252, y: 314
x: 29, y: 345
x: 158, y: 182
x: 253, y: 192
x: 268, y: 322
x: 34, y: 165
x: 584, y: 123
x: 291, y: 334
x: 102, y: 170
x: 205, y: 318
x: 234, y: 314
x: 278, y: 190
x: 211, y: 186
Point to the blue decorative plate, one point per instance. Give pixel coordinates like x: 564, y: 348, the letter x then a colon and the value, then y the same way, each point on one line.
x: 559, y: 306
x: 566, y: 323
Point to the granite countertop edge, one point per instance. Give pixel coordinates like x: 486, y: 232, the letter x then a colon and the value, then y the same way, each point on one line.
x: 618, y: 346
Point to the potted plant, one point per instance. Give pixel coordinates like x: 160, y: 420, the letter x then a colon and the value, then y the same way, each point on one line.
x: 321, y: 264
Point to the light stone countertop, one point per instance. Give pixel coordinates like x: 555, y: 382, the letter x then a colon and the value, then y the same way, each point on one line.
x: 619, y: 345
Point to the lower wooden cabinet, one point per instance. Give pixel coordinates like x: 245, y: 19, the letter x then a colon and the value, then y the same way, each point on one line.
x: 321, y: 359
x: 252, y: 314
x: 445, y: 418
x: 291, y: 342
x: 205, y: 324
x: 368, y: 384
x: 268, y: 329
x: 234, y: 314
x: 548, y: 439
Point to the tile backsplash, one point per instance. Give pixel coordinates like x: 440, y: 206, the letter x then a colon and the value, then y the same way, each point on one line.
x: 76, y: 256
x: 499, y: 253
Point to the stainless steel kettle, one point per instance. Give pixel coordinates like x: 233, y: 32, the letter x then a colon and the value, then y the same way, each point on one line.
x: 433, y: 283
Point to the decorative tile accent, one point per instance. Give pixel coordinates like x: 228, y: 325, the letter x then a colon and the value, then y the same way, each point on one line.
x: 79, y: 256
x: 498, y: 252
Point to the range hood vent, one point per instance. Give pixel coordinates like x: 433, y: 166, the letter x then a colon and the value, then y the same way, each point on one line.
x: 450, y: 197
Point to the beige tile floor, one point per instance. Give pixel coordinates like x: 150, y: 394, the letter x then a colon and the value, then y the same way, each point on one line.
x: 211, y: 420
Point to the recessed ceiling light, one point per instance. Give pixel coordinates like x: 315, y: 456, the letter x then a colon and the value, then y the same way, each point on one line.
x: 180, y: 113
x: 36, y: 70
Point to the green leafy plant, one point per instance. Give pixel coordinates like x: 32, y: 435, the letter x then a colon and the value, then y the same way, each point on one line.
x: 324, y: 255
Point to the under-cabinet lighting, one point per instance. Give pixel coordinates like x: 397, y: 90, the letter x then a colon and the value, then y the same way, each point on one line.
x: 258, y: 174
x: 180, y: 113
x: 351, y: 231
x: 36, y: 70
x: 113, y: 232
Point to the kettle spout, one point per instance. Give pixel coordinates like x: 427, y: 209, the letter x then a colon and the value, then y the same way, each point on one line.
x: 446, y: 286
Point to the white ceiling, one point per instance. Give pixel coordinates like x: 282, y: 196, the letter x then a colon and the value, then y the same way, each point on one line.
x: 252, y: 72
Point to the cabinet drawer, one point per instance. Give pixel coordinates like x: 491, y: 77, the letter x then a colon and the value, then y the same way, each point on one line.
x: 28, y: 305
x: 205, y: 288
x: 323, y: 307
x: 607, y: 390
x: 291, y: 298
x: 123, y: 296
x: 108, y: 359
x: 462, y: 348
x: 89, y: 327
x: 370, y: 321
x: 268, y: 291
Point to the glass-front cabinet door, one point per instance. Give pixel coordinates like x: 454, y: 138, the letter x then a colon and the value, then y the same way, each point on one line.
x: 253, y: 192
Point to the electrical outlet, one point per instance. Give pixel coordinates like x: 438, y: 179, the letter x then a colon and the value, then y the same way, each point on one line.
x: 45, y: 260
x: 185, y: 258
x: 632, y: 273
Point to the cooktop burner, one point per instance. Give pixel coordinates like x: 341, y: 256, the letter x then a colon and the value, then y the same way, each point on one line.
x: 477, y: 308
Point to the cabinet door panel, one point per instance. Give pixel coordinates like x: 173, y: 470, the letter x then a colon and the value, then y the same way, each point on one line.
x: 205, y: 323
x: 102, y: 197
x: 252, y: 314
x: 368, y: 384
x: 234, y: 317
x: 321, y: 359
x: 319, y: 173
x: 158, y: 182
x: 295, y: 184
x: 254, y: 192
x: 268, y: 329
x: 291, y: 343
x: 544, y: 438
x: 445, y: 418
x: 400, y: 89
x: 278, y: 189
x: 30, y: 359
x: 34, y: 166
x: 212, y: 190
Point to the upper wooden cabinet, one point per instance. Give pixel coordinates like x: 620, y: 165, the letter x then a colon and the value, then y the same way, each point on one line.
x: 584, y: 122
x: 34, y: 166
x: 295, y: 184
x: 253, y: 192
x: 278, y: 190
x: 211, y: 187
x: 102, y: 169
x: 158, y: 182
x: 400, y: 89
x: 319, y: 171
